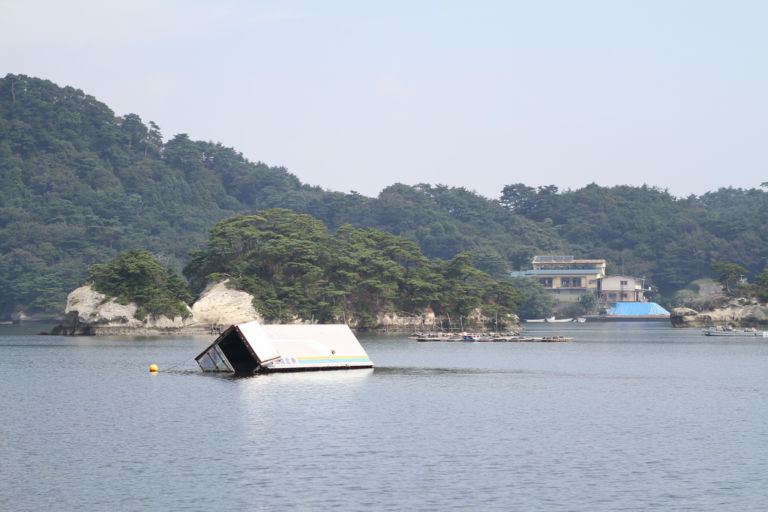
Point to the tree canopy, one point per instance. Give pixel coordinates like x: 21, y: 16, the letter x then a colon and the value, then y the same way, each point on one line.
x: 296, y: 270
x: 80, y: 184
x: 136, y: 276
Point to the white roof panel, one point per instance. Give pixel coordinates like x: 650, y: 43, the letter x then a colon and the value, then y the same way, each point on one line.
x: 260, y: 342
x: 316, y: 346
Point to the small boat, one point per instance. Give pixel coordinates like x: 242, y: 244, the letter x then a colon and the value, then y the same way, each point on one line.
x: 464, y: 336
x: 550, y: 320
x: 730, y: 331
x: 493, y: 338
x: 539, y: 320
x: 580, y: 319
x: 425, y: 336
x: 554, y: 339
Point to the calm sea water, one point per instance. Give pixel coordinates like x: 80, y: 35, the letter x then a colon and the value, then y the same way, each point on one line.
x: 628, y: 416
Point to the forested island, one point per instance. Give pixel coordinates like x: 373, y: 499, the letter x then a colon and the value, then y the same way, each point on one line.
x: 295, y: 271
x: 80, y: 186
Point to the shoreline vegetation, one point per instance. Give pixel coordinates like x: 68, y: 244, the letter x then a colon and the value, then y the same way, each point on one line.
x: 82, y: 185
x: 286, y: 268
x: 135, y: 295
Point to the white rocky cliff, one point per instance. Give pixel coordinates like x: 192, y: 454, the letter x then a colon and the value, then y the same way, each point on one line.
x: 222, y: 306
x: 90, y: 312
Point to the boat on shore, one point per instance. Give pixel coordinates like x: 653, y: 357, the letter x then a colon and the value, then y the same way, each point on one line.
x: 727, y: 330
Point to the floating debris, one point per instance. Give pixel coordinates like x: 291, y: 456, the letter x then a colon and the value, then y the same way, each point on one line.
x: 253, y: 348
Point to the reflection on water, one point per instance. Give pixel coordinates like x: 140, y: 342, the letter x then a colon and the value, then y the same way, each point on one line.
x: 627, y: 416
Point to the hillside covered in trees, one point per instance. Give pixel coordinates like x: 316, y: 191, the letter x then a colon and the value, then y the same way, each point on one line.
x: 295, y: 269
x: 80, y: 184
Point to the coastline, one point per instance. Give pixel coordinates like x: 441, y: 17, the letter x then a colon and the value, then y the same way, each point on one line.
x: 738, y: 312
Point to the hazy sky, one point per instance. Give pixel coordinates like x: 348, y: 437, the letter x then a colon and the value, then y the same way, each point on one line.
x: 359, y: 95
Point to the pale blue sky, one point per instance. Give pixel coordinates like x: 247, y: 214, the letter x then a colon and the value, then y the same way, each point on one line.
x: 359, y: 95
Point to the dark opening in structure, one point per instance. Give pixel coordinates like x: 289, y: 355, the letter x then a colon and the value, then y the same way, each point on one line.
x: 239, y: 353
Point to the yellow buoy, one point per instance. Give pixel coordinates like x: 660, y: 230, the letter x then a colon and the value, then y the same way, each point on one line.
x: 152, y: 368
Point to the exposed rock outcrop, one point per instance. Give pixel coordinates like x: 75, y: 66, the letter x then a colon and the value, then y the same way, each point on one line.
x: 737, y: 312
x: 89, y: 312
x: 397, y: 322
x: 219, y: 305
x: 428, y: 321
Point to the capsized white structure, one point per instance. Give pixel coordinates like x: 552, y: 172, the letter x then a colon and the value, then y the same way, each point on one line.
x: 253, y: 348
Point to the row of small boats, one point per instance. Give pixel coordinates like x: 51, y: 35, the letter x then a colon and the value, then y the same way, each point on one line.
x: 484, y: 337
x: 727, y: 330
x: 553, y: 320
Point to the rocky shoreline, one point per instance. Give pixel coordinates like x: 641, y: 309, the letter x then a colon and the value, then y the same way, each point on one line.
x: 738, y: 312
x: 90, y: 313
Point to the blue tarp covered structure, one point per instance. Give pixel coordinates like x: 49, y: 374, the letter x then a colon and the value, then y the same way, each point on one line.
x: 637, y: 309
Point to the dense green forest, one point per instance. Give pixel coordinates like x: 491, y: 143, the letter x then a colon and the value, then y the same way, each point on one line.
x: 295, y: 269
x: 80, y: 184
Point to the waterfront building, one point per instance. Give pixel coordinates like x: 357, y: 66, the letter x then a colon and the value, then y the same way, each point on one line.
x: 622, y: 289
x: 567, y: 279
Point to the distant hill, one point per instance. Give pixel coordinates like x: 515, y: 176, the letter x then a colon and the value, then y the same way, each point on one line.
x: 80, y: 184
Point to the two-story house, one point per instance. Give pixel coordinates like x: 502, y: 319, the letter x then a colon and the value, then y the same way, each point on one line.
x: 621, y: 289
x: 566, y: 277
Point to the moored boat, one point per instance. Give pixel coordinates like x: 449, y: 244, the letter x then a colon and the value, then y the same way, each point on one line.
x: 490, y: 338
x: 539, y: 320
x: 730, y: 331
x: 553, y: 320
